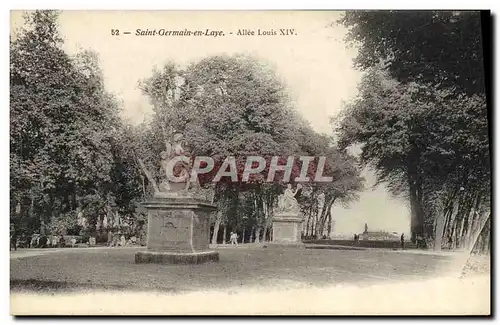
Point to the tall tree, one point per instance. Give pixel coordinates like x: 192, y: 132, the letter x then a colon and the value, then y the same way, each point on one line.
x: 59, y: 150
x: 423, y: 89
x: 443, y: 48
x: 421, y: 139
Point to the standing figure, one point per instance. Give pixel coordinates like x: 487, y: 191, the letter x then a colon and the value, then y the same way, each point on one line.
x: 403, y: 241
x: 110, y: 238
x: 62, y: 241
x: 54, y: 241
x: 234, y: 238
x: 117, y: 220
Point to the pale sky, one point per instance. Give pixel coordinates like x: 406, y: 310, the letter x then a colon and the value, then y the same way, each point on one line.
x: 315, y: 65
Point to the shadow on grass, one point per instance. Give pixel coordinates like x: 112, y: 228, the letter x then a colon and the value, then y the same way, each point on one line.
x: 41, y: 286
x: 341, y: 248
x: 238, y: 269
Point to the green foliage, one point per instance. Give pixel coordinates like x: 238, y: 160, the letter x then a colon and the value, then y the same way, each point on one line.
x: 65, y: 224
x: 417, y: 136
x: 443, y: 48
x: 60, y: 151
x: 421, y: 114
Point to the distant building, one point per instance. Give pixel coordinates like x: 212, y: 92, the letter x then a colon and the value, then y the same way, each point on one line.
x: 378, y: 235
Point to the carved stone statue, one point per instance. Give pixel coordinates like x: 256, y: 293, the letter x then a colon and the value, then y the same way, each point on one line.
x: 117, y: 220
x: 321, y: 200
x: 175, y: 176
x: 181, y: 170
x: 287, y: 201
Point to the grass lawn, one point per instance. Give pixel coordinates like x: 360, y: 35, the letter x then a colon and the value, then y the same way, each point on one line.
x: 242, y: 267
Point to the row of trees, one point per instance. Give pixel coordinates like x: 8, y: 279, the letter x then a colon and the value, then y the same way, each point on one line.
x: 421, y: 118
x: 65, y: 164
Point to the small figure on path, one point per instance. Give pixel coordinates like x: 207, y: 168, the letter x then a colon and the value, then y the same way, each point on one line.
x: 403, y: 241
x: 55, y: 241
x: 43, y: 241
x: 421, y: 242
x: 110, y: 238
x: 61, y: 241
x: 34, y: 240
x: 122, y: 241
x: 234, y: 238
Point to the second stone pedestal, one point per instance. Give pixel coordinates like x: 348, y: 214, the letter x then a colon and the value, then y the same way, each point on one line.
x: 287, y: 228
x: 178, y: 231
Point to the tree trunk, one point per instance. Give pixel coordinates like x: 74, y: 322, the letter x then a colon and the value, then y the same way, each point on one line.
x: 224, y: 235
x: 251, y: 239
x: 476, y: 232
x: 417, y: 222
x: 440, y: 219
x: 461, y: 233
x: 329, y: 229
x: 243, y: 236
x: 320, y: 224
x: 451, y: 225
x: 320, y: 227
x: 73, y: 197
x: 216, y: 227
x: 53, y: 213
x: 257, y: 235
x: 307, y: 225
x: 487, y: 238
x: 475, y: 224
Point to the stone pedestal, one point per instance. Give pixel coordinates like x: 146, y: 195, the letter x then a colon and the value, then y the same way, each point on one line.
x: 287, y: 228
x: 178, y: 231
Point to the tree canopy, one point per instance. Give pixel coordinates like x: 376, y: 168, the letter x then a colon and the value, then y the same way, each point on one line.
x: 60, y: 152
x: 443, y: 48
